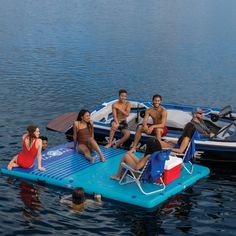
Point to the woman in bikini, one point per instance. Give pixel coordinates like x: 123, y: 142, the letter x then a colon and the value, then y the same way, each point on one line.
x: 32, y: 147
x: 83, y: 136
x: 136, y: 163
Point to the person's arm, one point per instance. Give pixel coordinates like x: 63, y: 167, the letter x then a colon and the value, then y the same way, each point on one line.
x: 39, y: 155
x: 92, y: 129
x: 66, y: 199
x: 165, y: 144
x: 183, y: 145
x: 114, y: 113
x: 24, y: 136
x: 142, y: 162
x: 145, y: 119
x: 202, y: 129
x: 125, y: 111
x: 75, y: 134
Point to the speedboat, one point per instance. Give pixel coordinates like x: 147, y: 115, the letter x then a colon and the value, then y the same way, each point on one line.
x: 222, y: 147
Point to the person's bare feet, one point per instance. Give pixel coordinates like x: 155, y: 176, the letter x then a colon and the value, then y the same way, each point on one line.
x: 103, y: 159
x: 115, y: 177
x: 132, y: 150
x: 108, y: 145
x: 93, y: 159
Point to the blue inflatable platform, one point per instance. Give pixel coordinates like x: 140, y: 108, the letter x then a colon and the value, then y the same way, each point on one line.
x: 68, y: 169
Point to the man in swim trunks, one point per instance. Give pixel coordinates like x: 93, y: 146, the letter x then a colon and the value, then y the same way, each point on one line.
x: 120, y: 111
x: 158, y: 127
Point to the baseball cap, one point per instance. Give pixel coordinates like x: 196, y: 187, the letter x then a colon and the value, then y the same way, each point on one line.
x: 197, y: 110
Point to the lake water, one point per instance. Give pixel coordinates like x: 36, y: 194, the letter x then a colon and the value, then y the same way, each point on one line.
x: 58, y: 56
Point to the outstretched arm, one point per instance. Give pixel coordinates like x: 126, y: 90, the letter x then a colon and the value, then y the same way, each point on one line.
x: 145, y: 120
x: 92, y: 129
x: 114, y: 113
x: 125, y: 111
x: 183, y: 145
x: 39, y: 156
x: 75, y: 134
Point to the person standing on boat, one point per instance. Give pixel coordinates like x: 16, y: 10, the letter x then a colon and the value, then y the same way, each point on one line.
x: 200, y: 125
x: 158, y: 127
x: 32, y: 147
x: 120, y: 111
x: 83, y: 136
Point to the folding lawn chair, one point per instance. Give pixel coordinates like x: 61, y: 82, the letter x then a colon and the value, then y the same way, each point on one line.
x: 151, y: 172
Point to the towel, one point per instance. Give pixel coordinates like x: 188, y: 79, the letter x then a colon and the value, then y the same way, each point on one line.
x: 155, y: 166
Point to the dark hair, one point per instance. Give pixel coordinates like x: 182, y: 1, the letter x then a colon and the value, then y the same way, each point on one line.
x: 31, y: 129
x: 188, y: 131
x: 80, y: 116
x: 43, y: 138
x: 156, y: 96
x: 153, y: 145
x: 122, y: 91
x: 78, y: 195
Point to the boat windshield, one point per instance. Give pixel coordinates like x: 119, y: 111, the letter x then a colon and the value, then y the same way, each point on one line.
x: 227, y: 133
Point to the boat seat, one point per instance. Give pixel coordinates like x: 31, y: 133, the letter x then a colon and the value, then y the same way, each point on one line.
x: 177, y: 119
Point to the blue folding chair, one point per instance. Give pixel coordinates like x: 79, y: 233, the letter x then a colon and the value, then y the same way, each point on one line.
x: 151, y: 172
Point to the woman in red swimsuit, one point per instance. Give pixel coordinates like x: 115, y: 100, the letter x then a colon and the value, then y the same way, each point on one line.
x: 32, y: 147
x: 83, y: 136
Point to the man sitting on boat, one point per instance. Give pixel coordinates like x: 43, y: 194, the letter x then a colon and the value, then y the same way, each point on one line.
x: 158, y: 127
x: 200, y: 125
x: 120, y: 111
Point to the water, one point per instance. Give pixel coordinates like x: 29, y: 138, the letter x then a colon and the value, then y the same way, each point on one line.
x: 61, y: 56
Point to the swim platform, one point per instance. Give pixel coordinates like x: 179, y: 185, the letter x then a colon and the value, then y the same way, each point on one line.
x: 67, y: 168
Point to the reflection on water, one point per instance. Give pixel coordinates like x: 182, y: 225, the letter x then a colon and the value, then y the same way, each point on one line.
x: 29, y: 195
x: 192, y: 212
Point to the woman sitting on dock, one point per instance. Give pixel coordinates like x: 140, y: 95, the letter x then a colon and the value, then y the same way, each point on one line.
x: 32, y: 147
x: 83, y: 136
x: 182, y: 143
x: 136, y: 163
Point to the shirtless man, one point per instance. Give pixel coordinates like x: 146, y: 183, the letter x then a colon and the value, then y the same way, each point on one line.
x: 158, y: 128
x: 120, y: 111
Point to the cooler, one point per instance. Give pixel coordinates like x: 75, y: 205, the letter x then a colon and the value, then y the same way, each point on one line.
x: 172, y: 169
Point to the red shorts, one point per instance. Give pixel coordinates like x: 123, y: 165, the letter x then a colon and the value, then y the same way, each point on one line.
x: 165, y: 130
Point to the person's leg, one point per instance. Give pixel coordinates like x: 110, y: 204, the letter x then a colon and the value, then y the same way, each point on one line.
x: 129, y: 159
x: 158, y: 133
x: 114, y: 127
x: 126, y: 135
x: 13, y: 163
x: 85, y: 150
x: 94, y: 146
x: 137, y: 137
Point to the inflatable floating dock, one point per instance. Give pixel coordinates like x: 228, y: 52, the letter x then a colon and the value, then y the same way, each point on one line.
x: 68, y: 169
